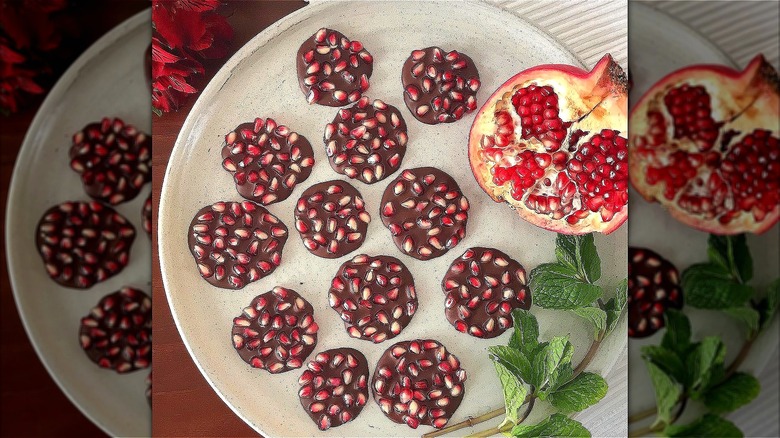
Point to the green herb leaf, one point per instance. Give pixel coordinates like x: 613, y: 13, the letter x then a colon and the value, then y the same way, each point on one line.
x: 514, y: 391
x: 556, y: 286
x: 556, y: 425
x: 526, y: 332
x: 705, y: 364
x: 738, y: 390
x: 745, y: 315
x: 707, y: 426
x: 547, y: 364
x: 677, y: 337
x: 710, y: 286
x: 667, y: 392
x: 596, y: 316
x: 615, y: 306
x: 667, y: 360
x: 731, y: 253
x: 513, y: 360
x: 579, y: 254
x: 583, y: 391
x: 768, y: 306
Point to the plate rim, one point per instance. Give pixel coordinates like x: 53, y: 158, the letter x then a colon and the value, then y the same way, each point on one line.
x: 254, y: 44
x: 42, y: 115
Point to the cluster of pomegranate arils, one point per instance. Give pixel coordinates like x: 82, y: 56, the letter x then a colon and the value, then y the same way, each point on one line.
x: 653, y: 287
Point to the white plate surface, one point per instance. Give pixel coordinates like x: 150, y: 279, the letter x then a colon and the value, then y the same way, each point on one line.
x: 107, y: 80
x: 260, y: 80
x: 660, y: 45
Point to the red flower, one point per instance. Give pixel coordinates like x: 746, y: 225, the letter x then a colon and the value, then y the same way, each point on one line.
x: 184, y: 30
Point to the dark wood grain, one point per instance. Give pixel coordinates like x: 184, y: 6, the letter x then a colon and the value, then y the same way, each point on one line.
x: 31, y: 403
x: 183, y: 402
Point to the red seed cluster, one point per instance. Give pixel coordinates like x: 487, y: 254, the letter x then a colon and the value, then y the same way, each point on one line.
x: 538, y: 109
x: 653, y: 287
x: 690, y: 109
x: 117, y: 333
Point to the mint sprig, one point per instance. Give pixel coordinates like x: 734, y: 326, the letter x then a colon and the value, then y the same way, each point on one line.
x: 556, y: 425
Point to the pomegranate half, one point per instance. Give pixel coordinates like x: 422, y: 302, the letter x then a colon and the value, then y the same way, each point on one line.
x: 551, y: 142
x: 704, y: 143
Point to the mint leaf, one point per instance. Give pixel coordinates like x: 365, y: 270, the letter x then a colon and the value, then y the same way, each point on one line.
x: 710, y: 286
x: 667, y: 360
x: 556, y: 425
x: 738, y: 390
x: 585, y: 390
x: 615, y: 306
x: 557, y: 287
x: 526, y: 332
x: 513, y: 360
x: 705, y: 364
x: 514, y: 391
x: 745, y: 315
x: 595, y: 316
x: 667, y: 392
x: 678, y: 332
x: 548, y: 361
x: 707, y: 426
x: 768, y: 306
x: 731, y: 253
x: 579, y: 253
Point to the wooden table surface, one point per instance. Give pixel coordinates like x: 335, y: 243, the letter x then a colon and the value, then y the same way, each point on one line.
x: 31, y: 403
x: 183, y: 403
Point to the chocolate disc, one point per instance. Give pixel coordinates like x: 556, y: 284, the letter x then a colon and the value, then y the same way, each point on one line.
x: 276, y: 332
x: 335, y: 387
x: 267, y: 160
x: 117, y: 333
x: 83, y: 243
x: 331, y: 219
x: 113, y: 159
x: 332, y: 70
x: 425, y: 211
x: 366, y: 141
x: 236, y: 243
x: 418, y: 382
x: 146, y: 215
x: 439, y: 87
x: 148, y: 391
x: 653, y: 287
x: 483, y: 286
x: 374, y: 296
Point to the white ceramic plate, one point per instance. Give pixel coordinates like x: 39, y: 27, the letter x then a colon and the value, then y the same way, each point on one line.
x: 260, y: 80
x: 659, y: 44
x: 107, y: 80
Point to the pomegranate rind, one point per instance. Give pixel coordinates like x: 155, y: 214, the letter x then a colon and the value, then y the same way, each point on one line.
x: 606, y: 96
x: 764, y: 108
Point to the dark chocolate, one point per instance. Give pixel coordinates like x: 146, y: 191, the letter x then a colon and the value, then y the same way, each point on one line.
x: 418, y: 382
x: 276, y: 332
x: 331, y: 219
x: 83, y: 243
x: 146, y: 216
x: 267, y: 160
x: 236, y: 243
x: 114, y: 160
x: 425, y: 212
x: 117, y: 333
x: 482, y: 287
x: 374, y: 296
x: 334, y: 388
x: 366, y: 141
x: 332, y: 70
x: 653, y: 287
x: 439, y: 86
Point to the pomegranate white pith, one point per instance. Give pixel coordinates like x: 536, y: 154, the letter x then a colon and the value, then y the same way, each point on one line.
x: 705, y: 143
x: 551, y: 142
